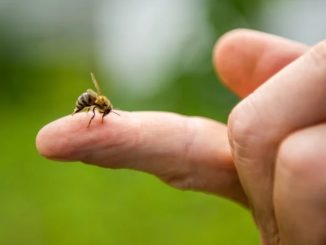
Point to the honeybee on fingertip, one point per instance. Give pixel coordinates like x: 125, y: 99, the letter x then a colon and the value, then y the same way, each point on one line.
x: 92, y: 100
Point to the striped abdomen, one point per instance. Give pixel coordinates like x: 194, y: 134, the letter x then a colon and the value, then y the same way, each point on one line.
x: 85, y: 100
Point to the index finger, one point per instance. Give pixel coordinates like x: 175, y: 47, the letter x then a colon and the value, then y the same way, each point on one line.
x: 186, y: 152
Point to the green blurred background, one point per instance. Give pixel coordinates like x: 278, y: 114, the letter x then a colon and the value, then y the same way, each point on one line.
x: 148, y: 55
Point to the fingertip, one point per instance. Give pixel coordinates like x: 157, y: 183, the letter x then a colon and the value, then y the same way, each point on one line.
x: 66, y: 137
x: 227, y: 43
x: 40, y: 146
x: 222, y: 46
x: 70, y: 139
x: 51, y: 140
x: 244, y: 59
x: 234, y: 59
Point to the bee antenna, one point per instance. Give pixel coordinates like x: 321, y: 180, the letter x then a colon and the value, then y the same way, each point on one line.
x: 116, y: 113
x: 96, y: 83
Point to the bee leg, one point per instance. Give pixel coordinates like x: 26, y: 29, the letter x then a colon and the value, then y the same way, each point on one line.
x: 103, y: 115
x: 75, y: 111
x: 89, y: 124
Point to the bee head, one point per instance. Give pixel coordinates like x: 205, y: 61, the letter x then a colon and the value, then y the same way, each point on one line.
x: 107, y: 111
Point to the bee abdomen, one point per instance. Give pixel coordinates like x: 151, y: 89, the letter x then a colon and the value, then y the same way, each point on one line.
x: 84, y: 100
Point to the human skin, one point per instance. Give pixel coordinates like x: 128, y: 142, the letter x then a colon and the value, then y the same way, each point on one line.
x: 270, y: 156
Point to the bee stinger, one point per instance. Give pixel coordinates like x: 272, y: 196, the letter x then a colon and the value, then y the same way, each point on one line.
x: 92, y: 100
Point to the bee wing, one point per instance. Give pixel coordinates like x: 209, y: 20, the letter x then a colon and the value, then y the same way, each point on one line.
x: 92, y: 92
x: 97, y: 86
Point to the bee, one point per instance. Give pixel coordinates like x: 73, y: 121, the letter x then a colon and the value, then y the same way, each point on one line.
x: 92, y: 100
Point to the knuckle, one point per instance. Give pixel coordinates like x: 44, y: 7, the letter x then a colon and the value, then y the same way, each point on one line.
x: 318, y: 53
x: 183, y: 183
x: 298, y: 159
x: 289, y: 158
x: 243, y: 124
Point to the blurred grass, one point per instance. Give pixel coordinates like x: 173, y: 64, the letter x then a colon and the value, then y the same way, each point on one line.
x: 44, y: 202
x: 52, y: 203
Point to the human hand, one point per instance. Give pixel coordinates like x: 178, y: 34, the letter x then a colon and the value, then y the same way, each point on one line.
x: 187, y: 152
x: 277, y: 133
